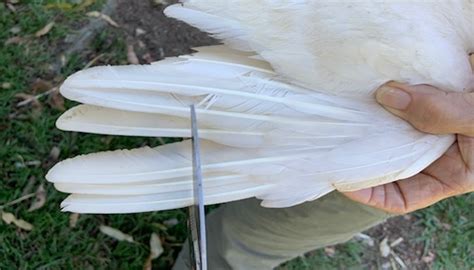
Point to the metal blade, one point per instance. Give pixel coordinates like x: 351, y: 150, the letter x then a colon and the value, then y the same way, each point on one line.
x: 197, y: 219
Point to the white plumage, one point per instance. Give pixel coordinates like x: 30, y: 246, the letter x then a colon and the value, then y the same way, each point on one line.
x: 287, y: 115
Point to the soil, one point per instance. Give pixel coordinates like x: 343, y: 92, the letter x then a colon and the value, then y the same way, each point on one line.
x: 160, y: 36
x: 411, y: 252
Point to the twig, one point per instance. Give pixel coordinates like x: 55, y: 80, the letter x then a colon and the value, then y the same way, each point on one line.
x: 22, y: 198
x: 28, y: 101
x: 91, y: 62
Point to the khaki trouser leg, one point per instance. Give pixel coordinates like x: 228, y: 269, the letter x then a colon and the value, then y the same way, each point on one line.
x: 244, y: 235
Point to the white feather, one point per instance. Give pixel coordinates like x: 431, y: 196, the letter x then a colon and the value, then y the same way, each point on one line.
x: 287, y: 125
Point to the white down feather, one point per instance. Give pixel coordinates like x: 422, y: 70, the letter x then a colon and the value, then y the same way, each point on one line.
x: 286, y: 129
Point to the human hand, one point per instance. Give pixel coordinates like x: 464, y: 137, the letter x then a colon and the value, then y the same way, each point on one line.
x: 433, y: 111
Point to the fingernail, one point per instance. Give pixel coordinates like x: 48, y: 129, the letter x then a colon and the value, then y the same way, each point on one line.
x: 393, y: 97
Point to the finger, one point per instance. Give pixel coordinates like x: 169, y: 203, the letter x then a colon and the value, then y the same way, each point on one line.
x: 429, y: 109
x: 466, y: 148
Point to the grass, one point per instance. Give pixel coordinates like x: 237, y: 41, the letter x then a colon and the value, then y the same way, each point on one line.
x: 28, y: 134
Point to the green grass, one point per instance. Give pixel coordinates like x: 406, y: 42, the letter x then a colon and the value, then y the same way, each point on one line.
x: 28, y: 134
x: 31, y: 135
x: 449, y: 230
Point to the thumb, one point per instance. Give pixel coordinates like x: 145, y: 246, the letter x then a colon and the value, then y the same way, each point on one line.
x: 430, y: 109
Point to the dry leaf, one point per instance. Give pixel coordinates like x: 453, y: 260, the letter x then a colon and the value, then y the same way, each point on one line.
x: 330, y: 251
x: 40, y: 199
x: 171, y: 222
x: 446, y: 226
x: 429, y: 258
x: 29, y: 186
x: 11, y: 7
x: 148, y: 58
x: 156, y: 249
x: 384, y: 248
x: 20, y: 223
x: 386, y: 266
x: 43, y: 31
x: 6, y: 85
x: 54, y: 153
x: 73, y: 218
x: 139, y: 31
x: 161, y: 2
x: 399, y: 260
x: 40, y: 86
x: 97, y: 14
x: 33, y: 163
x: 396, y: 242
x: 132, y: 56
x: 365, y: 239
x: 155, y: 246
x: 56, y: 101
x: 14, y: 40
x: 116, y: 234
x: 63, y: 60
x: 15, y: 29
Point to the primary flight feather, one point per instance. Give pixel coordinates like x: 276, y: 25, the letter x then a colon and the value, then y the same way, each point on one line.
x: 285, y: 109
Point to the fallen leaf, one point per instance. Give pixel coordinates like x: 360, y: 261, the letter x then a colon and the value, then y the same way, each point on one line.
x: 396, y: 242
x: 161, y: 2
x: 29, y: 186
x: 139, y: 31
x: 116, y: 234
x: 14, y: 40
x: 365, y: 239
x: 45, y: 30
x: 393, y: 264
x: 429, y: 258
x: 11, y: 7
x: 54, y: 153
x: 386, y: 266
x: 97, y: 14
x: 6, y: 85
x: 73, y: 218
x: 384, y: 248
x: 63, y: 60
x: 40, y: 199
x: 9, y: 218
x: 171, y: 222
x: 15, y: 29
x: 33, y: 163
x: 132, y: 56
x: 56, y: 101
x: 399, y: 260
x: 160, y: 226
x: 156, y: 249
x: 148, y: 58
x: 446, y: 226
x: 330, y: 251
x: 40, y: 86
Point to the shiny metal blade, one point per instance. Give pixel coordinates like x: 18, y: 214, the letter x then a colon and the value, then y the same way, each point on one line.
x: 197, y: 214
